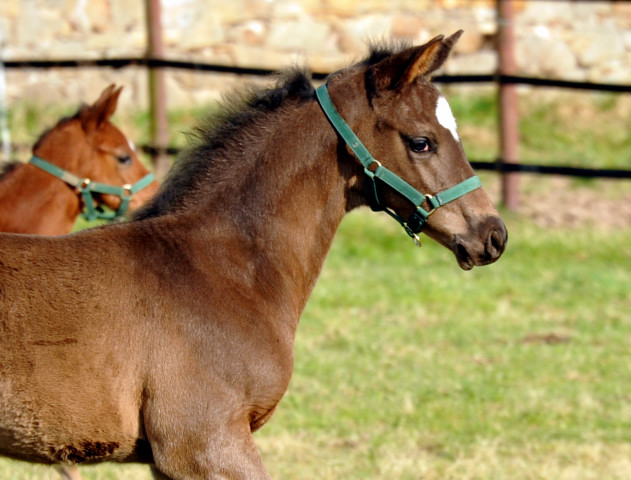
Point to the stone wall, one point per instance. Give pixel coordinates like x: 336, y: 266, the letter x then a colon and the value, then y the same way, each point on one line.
x: 572, y: 40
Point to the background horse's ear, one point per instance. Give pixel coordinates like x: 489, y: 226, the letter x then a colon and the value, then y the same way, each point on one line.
x: 403, y: 68
x: 97, y: 114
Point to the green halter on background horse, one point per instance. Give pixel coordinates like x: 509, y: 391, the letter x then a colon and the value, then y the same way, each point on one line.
x: 87, y: 188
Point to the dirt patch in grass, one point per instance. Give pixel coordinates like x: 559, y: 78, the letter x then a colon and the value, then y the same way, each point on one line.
x: 564, y: 205
x: 545, y: 338
x: 563, y: 202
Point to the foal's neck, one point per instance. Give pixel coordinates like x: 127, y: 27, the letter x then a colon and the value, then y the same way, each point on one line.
x: 289, y: 203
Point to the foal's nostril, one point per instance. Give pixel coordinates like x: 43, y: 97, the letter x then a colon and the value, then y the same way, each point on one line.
x: 461, y: 250
x: 463, y: 256
x: 496, y: 242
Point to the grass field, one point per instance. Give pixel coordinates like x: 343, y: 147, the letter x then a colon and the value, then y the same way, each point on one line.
x: 409, y: 368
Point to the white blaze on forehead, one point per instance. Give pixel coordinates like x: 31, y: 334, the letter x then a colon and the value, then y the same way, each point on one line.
x: 445, y: 117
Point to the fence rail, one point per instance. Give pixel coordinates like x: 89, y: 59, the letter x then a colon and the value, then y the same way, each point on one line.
x: 504, y: 167
x: 497, y: 165
x: 255, y: 71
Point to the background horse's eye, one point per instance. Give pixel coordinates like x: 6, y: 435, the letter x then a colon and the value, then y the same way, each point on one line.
x: 124, y: 159
x: 420, y: 144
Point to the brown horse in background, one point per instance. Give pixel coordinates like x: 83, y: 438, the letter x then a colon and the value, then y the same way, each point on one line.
x: 86, y: 146
x: 169, y: 339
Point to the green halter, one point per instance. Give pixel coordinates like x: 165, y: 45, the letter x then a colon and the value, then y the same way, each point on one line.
x: 87, y: 188
x: 415, y: 222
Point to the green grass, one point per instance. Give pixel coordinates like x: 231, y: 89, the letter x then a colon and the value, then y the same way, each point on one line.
x: 400, y: 352
x: 407, y: 367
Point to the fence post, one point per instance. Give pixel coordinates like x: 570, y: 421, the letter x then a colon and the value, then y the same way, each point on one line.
x: 158, y: 123
x: 508, y: 108
x: 5, y: 134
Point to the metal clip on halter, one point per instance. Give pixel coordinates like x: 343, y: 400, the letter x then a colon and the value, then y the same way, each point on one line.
x: 415, y: 238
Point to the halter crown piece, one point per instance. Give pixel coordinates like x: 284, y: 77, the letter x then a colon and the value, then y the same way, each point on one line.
x: 414, y: 224
x: 87, y: 188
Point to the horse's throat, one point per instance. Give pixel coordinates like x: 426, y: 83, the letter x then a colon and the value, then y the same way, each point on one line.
x: 278, y: 232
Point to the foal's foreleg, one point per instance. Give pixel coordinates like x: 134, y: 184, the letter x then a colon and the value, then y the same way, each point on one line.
x: 220, y: 466
x: 157, y: 475
x: 68, y: 473
x: 229, y: 456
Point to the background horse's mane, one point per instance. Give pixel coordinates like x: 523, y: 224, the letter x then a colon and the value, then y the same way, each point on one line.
x: 7, y: 167
x: 223, y: 130
x: 60, y: 123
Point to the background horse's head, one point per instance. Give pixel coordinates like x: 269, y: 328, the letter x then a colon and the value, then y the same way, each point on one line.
x: 90, y: 146
x: 408, y: 126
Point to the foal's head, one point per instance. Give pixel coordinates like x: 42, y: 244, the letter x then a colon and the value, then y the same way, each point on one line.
x: 90, y: 146
x: 408, y: 126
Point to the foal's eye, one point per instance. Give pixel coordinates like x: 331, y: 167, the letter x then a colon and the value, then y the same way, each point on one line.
x: 124, y: 159
x: 420, y: 144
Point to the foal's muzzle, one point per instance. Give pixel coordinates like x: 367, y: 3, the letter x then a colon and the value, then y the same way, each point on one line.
x: 484, y: 245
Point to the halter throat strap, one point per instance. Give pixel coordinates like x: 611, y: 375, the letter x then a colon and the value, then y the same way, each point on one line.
x: 87, y: 188
x: 414, y: 224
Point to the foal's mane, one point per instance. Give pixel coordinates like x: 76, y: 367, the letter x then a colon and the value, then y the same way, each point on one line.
x: 222, y: 132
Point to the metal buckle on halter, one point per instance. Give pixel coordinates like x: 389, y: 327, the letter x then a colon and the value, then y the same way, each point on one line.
x: 370, y: 187
x: 373, y: 162
x: 127, y: 190
x: 369, y: 172
x: 432, y: 209
x: 412, y: 233
x: 84, y: 183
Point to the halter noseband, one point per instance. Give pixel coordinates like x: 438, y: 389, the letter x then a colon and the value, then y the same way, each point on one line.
x: 415, y: 222
x: 87, y: 188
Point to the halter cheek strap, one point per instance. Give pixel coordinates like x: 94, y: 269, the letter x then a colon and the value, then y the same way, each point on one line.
x: 87, y: 188
x: 417, y: 220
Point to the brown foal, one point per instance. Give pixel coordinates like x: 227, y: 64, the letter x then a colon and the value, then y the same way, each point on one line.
x: 169, y: 339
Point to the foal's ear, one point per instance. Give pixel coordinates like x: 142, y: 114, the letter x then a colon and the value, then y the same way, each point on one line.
x: 403, y: 68
x: 100, y: 112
